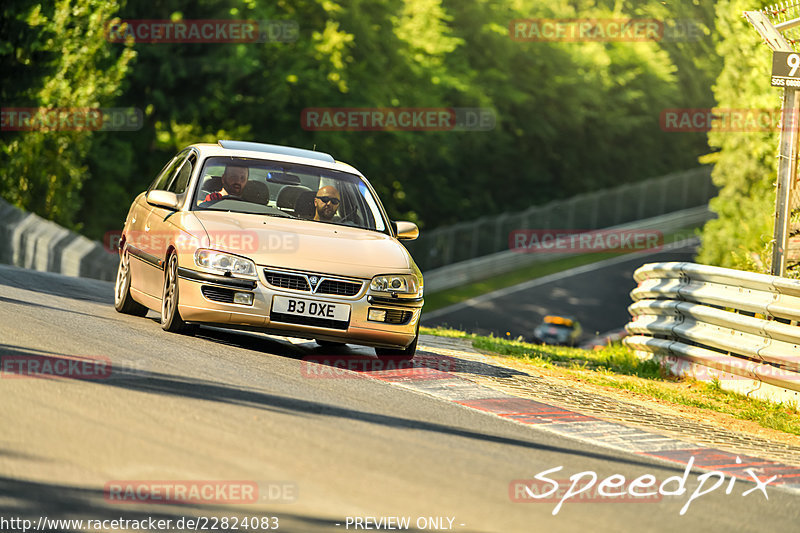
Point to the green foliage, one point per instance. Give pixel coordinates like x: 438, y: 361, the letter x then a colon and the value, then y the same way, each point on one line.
x: 571, y: 116
x: 59, y: 53
x: 614, y: 358
x: 746, y: 164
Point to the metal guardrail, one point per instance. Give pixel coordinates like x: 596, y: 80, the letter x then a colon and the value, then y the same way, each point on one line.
x: 447, y: 245
x: 496, y: 264
x: 718, y: 323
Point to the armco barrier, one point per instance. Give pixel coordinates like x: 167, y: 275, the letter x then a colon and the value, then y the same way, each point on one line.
x: 443, y: 246
x: 29, y: 241
x: 740, y: 328
x: 500, y: 263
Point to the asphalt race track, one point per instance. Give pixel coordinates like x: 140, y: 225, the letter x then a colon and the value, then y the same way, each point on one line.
x: 598, y: 295
x: 226, y: 406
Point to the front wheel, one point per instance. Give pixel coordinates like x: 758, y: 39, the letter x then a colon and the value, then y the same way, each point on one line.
x: 402, y: 354
x: 329, y: 344
x: 170, y: 315
x: 123, y: 302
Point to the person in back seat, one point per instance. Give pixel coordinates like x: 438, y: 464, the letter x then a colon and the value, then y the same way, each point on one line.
x: 256, y: 192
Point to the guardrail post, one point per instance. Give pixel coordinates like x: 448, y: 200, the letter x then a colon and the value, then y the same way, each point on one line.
x: 787, y: 176
x: 476, y: 236
x: 500, y: 242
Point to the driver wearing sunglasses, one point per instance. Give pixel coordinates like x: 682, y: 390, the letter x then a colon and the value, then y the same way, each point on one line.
x: 326, y: 203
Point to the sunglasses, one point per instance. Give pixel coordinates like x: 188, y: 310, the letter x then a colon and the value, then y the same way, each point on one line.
x: 326, y: 199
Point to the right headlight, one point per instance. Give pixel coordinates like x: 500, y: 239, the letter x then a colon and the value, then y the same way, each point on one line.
x: 225, y: 263
x: 396, y: 283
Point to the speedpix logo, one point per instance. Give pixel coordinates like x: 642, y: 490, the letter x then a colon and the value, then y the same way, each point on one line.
x: 587, y: 486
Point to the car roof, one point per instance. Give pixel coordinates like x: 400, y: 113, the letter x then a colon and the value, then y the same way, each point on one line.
x: 273, y: 152
x: 552, y: 319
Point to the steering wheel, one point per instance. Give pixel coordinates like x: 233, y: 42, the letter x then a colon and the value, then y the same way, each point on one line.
x: 352, y: 216
x: 226, y: 197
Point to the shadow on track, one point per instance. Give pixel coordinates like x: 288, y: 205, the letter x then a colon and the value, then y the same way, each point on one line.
x: 205, y: 390
x: 34, y: 499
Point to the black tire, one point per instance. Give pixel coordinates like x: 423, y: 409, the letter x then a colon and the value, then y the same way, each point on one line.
x: 170, y: 315
x: 329, y: 344
x: 123, y: 302
x: 400, y: 354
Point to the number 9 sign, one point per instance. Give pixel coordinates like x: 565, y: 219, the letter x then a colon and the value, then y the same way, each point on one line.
x: 785, y: 69
x: 793, y: 61
x: 786, y: 64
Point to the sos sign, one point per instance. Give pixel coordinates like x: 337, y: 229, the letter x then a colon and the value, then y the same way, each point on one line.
x: 785, y: 69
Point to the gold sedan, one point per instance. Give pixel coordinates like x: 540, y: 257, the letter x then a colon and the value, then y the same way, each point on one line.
x: 270, y: 238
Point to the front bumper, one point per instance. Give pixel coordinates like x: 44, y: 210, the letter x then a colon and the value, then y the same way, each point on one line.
x: 199, y: 302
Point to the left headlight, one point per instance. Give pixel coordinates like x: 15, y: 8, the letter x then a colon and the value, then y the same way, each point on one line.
x: 399, y: 283
x: 225, y: 263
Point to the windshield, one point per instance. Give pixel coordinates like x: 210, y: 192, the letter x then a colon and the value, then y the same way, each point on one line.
x: 270, y: 188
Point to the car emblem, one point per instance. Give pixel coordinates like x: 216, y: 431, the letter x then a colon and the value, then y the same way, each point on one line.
x: 313, y: 281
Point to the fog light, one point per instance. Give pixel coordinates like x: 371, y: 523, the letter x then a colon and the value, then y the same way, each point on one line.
x: 377, y: 315
x: 244, y: 298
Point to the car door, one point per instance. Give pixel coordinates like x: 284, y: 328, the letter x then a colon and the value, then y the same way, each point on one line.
x: 146, y: 264
x: 161, y: 221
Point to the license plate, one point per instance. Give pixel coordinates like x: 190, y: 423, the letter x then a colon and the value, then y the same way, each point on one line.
x: 311, y: 308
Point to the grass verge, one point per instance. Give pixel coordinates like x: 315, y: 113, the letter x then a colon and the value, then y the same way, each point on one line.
x: 618, y: 367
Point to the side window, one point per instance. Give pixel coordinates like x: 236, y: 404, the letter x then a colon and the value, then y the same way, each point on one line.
x: 178, y: 185
x: 162, y: 181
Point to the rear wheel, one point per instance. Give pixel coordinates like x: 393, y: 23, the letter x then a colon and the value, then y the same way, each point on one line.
x: 123, y: 302
x: 170, y: 315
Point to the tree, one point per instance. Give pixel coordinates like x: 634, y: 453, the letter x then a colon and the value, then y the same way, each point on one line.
x: 745, y: 163
x: 57, y: 57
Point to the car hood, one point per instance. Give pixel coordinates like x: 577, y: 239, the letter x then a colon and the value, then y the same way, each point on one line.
x: 305, y: 245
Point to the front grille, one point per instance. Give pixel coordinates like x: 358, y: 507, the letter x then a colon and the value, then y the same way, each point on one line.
x: 397, y: 316
x: 309, y: 321
x: 218, y: 294
x: 299, y: 282
x: 287, y: 281
x: 339, y: 288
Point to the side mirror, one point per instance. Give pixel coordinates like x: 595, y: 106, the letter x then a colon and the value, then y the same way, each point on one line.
x: 166, y: 199
x: 407, y: 231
